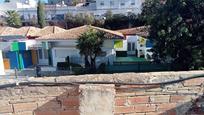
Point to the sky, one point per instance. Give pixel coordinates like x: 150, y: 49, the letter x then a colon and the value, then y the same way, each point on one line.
x: 3, y: 1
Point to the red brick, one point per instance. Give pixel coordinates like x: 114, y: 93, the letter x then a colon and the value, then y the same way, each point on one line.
x: 145, y: 108
x: 166, y: 106
x: 177, y: 98
x: 171, y: 112
x: 51, y: 112
x: 135, y: 114
x: 6, y: 109
x: 120, y: 101
x: 160, y: 99
x: 138, y: 99
x: 156, y: 113
x: 24, y: 107
x: 49, y: 105
x: 124, y: 109
x: 69, y: 112
x: 71, y: 101
x: 194, y: 82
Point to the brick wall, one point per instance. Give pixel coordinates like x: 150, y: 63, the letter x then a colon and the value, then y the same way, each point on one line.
x: 39, y: 101
x: 175, y: 99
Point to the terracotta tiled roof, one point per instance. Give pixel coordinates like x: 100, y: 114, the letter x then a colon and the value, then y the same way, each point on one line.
x: 5, y: 31
x: 49, y: 30
x: 26, y: 31
x: 74, y: 33
x: 140, y: 31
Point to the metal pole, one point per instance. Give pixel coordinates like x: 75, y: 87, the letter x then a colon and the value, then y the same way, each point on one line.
x: 16, y: 76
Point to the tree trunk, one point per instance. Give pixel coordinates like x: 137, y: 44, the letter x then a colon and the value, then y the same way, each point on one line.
x: 93, y: 64
x: 87, y: 64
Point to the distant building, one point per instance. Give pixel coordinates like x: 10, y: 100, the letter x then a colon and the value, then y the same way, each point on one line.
x: 28, y: 8
x: 17, y: 5
x: 67, y: 2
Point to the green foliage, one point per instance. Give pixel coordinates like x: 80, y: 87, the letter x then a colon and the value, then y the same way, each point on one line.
x: 41, y: 14
x: 108, y: 14
x: 176, y: 28
x: 120, y: 21
x: 75, y: 2
x: 78, y: 20
x: 13, y: 19
x: 90, y: 44
x: 111, y: 21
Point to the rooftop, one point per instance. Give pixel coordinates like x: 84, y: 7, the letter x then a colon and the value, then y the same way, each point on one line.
x: 74, y: 33
x: 140, y: 31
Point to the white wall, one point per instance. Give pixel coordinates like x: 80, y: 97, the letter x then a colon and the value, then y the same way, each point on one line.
x: 59, y: 54
x: 63, y: 43
x: 108, y: 44
x: 1, y: 64
x: 62, y: 49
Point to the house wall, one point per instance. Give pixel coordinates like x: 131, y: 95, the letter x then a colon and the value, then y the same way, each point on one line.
x: 59, y: 54
x: 13, y: 59
x: 61, y: 49
x: 19, y: 60
x: 1, y: 64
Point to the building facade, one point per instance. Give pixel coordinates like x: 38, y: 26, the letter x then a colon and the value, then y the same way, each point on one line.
x: 28, y: 9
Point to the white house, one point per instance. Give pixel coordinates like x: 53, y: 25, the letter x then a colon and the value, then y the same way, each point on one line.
x: 63, y: 44
x: 136, y: 43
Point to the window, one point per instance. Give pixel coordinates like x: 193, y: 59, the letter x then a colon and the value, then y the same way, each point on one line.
x: 132, y: 2
x: 129, y: 46
x: 46, y: 54
x: 122, y: 4
x: 40, y: 53
x: 102, y: 3
x: 112, y: 3
x: 133, y: 46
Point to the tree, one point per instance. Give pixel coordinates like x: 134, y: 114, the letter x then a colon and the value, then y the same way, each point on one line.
x: 176, y: 28
x: 121, y: 21
x: 75, y: 2
x: 13, y: 19
x: 108, y: 14
x: 89, y: 44
x: 117, y: 21
x: 78, y: 20
x: 41, y: 14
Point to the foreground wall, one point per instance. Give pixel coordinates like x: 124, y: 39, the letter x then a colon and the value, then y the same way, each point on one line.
x: 180, y: 98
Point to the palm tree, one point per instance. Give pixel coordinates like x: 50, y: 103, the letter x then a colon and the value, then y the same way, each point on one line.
x: 13, y: 19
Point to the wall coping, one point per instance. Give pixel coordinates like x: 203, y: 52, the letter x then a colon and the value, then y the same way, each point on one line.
x: 148, y: 77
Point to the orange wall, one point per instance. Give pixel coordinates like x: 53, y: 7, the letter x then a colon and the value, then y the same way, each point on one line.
x: 6, y: 64
x: 34, y: 57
